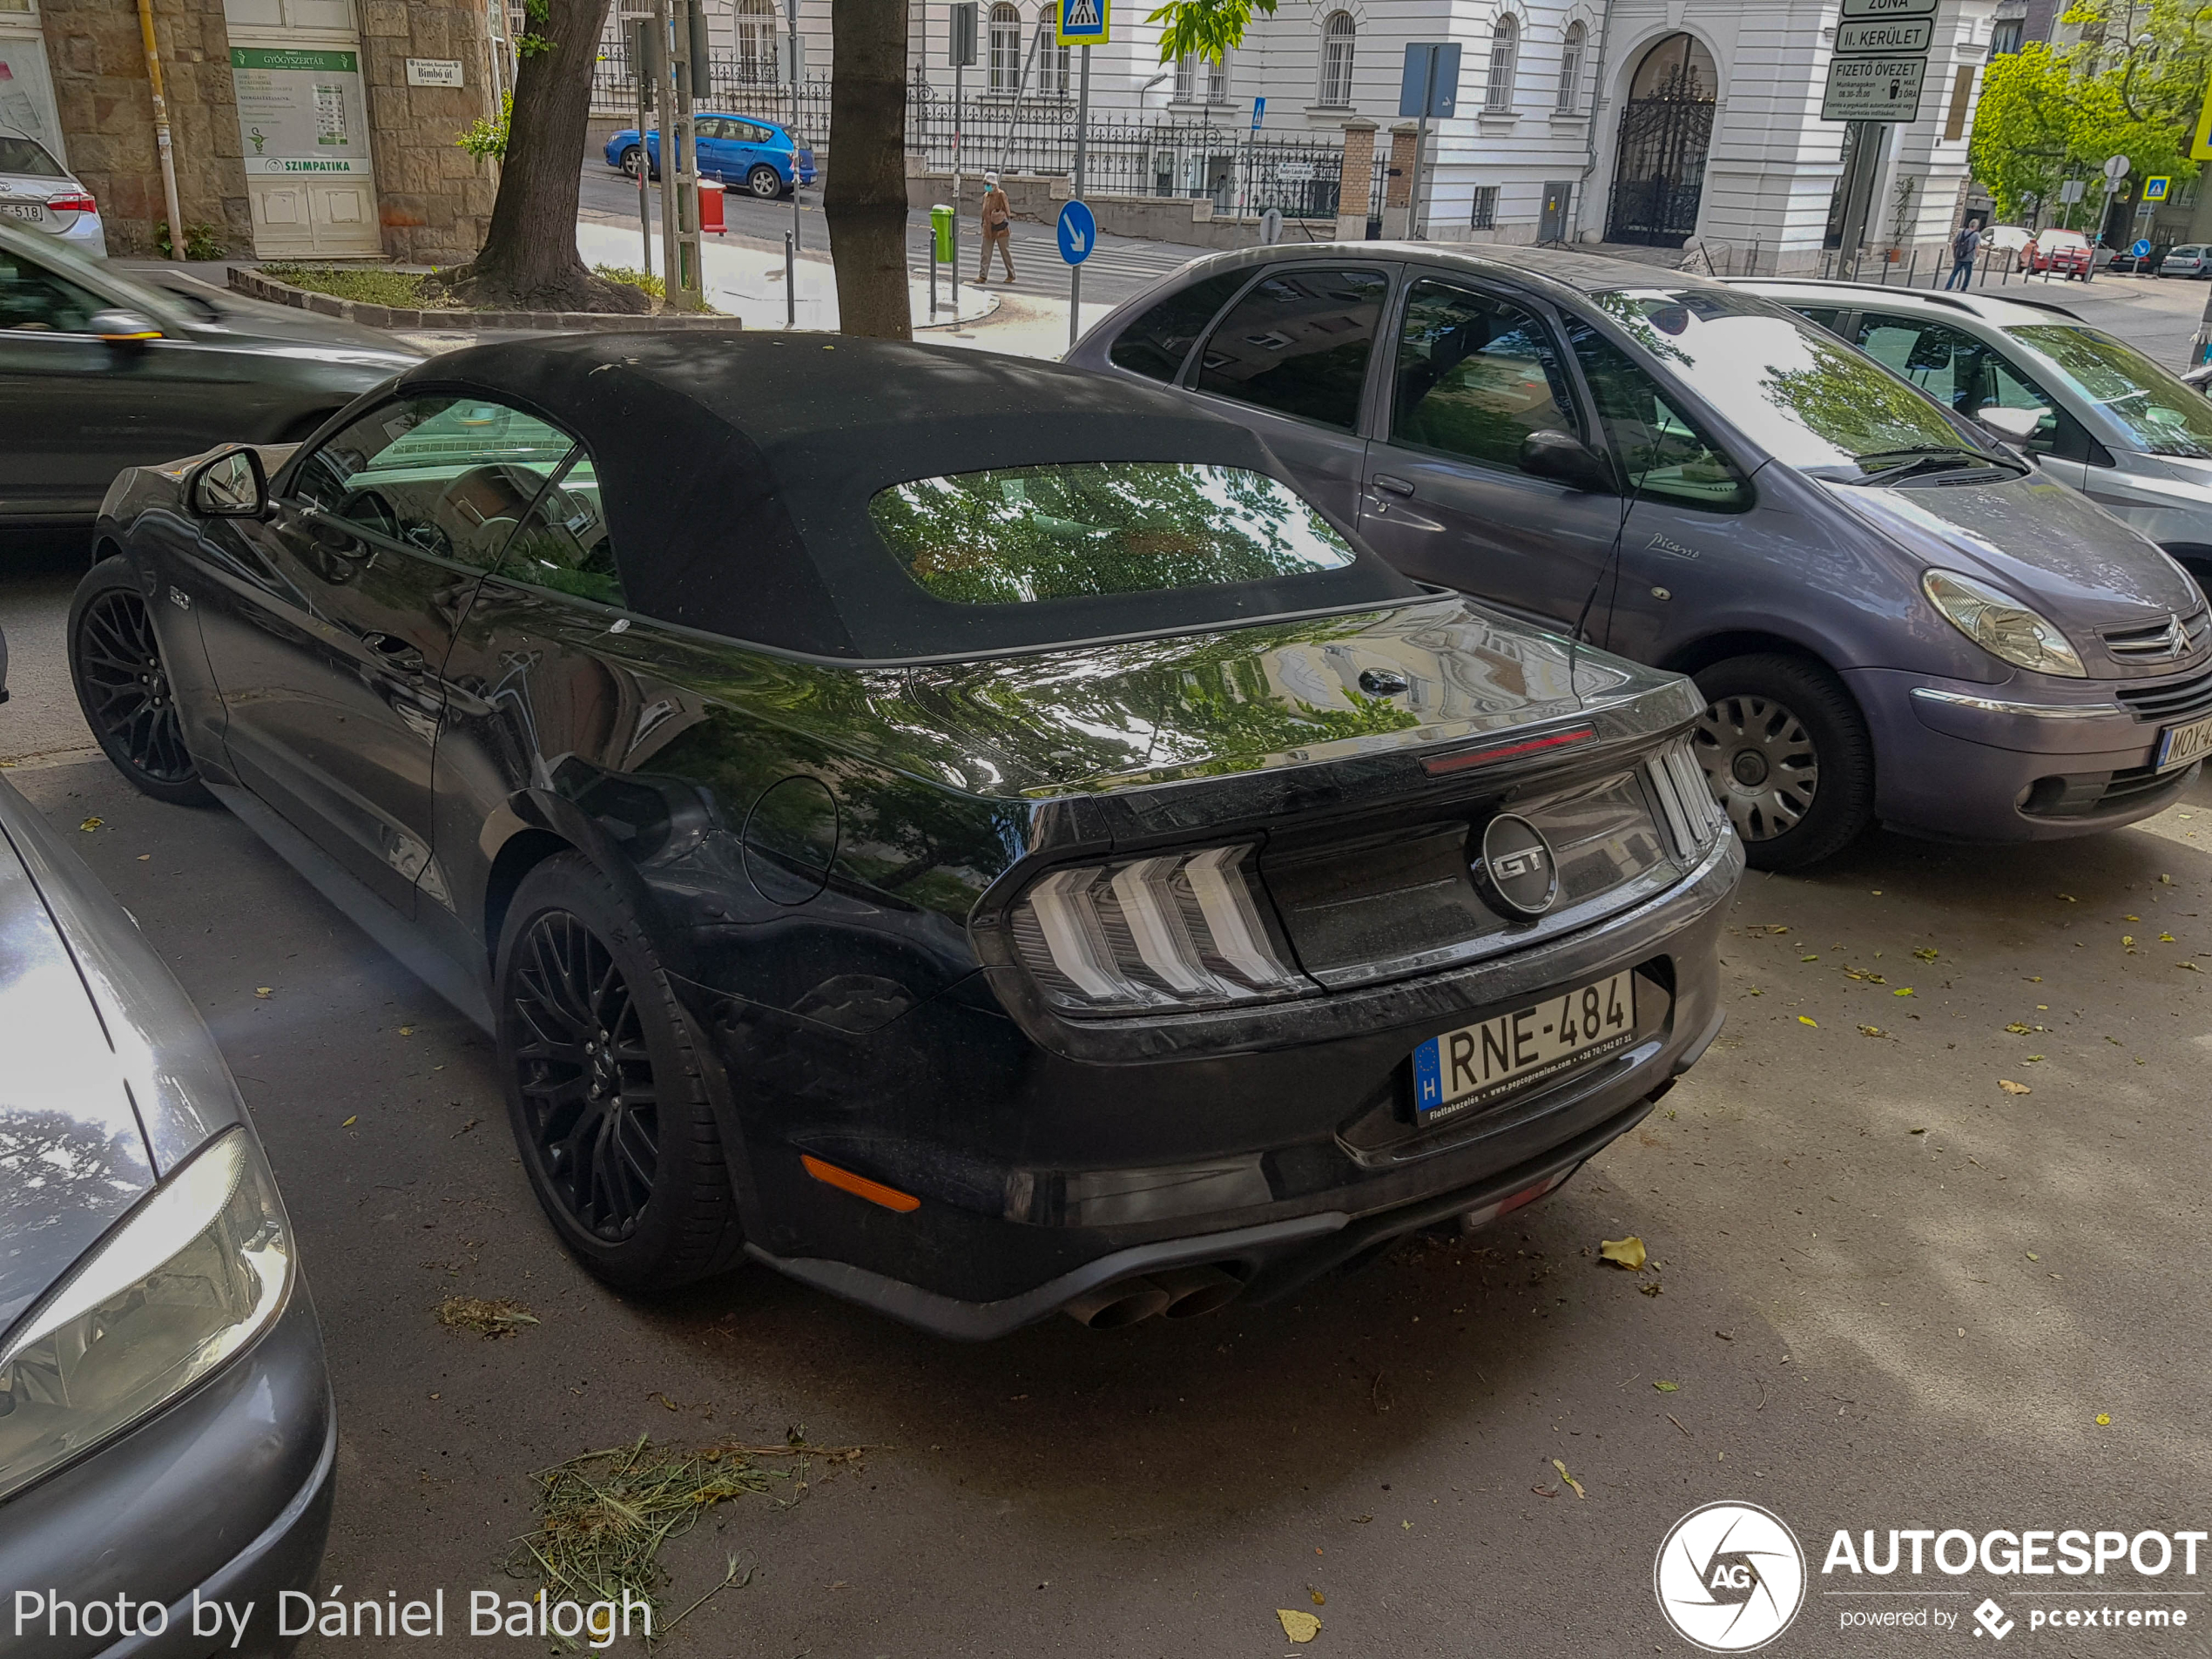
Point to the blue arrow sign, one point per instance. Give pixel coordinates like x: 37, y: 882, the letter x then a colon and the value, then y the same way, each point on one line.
x: 1078, y: 232
x: 2140, y: 248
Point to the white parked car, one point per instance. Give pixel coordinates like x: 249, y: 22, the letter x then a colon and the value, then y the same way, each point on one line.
x: 38, y: 193
x: 2190, y: 259
x: 2089, y: 409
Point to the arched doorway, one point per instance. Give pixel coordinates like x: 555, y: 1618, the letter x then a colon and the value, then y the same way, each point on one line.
x: 1666, y: 128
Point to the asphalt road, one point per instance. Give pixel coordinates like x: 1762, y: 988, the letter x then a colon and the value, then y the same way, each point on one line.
x: 1120, y: 267
x: 1889, y: 1293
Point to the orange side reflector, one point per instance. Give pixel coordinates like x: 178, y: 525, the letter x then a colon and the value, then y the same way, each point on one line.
x: 860, y: 1186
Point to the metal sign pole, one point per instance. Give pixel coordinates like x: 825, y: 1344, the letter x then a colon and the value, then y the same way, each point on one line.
x: 642, y: 59
x: 1416, y: 212
x: 1083, y: 137
x: 792, y: 5
x: 665, y: 120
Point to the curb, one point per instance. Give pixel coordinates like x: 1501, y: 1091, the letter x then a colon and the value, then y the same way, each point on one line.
x: 253, y: 283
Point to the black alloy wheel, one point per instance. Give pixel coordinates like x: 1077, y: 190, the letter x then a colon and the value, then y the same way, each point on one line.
x: 607, y: 1085
x: 585, y: 1078
x: 764, y: 182
x: 123, y: 687
x: 1788, y: 756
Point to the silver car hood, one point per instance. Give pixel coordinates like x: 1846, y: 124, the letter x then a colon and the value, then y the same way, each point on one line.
x: 111, y: 1078
x: 2046, y: 544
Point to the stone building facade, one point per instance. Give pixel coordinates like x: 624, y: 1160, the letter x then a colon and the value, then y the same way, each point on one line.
x: 302, y: 128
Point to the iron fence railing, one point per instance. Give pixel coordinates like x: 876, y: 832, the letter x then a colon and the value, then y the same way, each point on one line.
x: 1034, y: 133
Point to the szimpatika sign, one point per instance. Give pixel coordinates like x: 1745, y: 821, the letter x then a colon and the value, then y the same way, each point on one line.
x: 300, y: 111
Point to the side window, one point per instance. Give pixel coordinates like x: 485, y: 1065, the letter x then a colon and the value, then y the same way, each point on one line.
x: 562, y: 544
x: 35, y: 301
x: 1155, y: 344
x: 446, y: 476
x: 1943, y: 361
x: 2058, y: 434
x: 1826, y: 316
x: 1297, y: 344
x: 1475, y: 376
x: 1664, y: 452
x: 713, y: 126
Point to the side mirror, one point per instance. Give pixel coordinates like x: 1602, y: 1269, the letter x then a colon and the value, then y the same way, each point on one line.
x: 121, y: 327
x: 233, y: 485
x: 1566, y: 459
x: 2013, y: 425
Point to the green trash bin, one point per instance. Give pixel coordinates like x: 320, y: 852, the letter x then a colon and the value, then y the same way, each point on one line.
x: 941, y: 226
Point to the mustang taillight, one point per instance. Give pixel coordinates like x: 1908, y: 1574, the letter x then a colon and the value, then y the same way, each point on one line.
x: 1182, y: 929
x: 1693, y: 817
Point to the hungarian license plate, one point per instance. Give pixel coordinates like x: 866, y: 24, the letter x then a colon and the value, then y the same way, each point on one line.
x: 22, y: 209
x: 1478, y: 1062
x: 2179, y: 744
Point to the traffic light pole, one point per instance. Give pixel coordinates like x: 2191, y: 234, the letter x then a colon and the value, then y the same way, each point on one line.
x: 1082, y: 139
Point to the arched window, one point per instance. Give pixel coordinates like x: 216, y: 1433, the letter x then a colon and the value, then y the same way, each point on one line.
x: 1006, y: 47
x: 1051, y: 78
x: 754, y: 22
x: 1339, y: 35
x: 1570, y: 70
x: 1505, y: 56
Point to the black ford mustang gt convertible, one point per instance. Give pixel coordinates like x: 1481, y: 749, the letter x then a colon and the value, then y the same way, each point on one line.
x: 962, y: 831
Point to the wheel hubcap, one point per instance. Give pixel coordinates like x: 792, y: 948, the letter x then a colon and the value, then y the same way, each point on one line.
x: 126, y: 688
x: 589, y: 1107
x: 1760, y: 761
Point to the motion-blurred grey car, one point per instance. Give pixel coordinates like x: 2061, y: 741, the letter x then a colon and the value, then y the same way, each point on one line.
x: 166, y: 1422
x: 100, y: 371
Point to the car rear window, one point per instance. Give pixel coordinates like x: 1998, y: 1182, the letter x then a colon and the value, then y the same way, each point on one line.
x: 1155, y: 344
x: 1024, y: 535
x: 27, y: 159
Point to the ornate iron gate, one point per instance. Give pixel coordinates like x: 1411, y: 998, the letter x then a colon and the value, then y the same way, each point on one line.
x: 1660, y: 174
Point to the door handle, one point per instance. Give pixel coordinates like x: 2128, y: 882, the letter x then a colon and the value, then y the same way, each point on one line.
x: 396, y: 652
x: 1396, y: 486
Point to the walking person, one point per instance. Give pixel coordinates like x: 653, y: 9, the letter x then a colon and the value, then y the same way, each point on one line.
x: 997, y: 215
x: 1964, y: 248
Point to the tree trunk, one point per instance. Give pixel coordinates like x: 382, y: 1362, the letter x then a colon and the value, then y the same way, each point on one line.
x: 865, y: 198
x: 528, y: 261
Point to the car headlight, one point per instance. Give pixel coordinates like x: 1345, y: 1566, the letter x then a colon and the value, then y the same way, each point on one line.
x: 2001, y: 625
x: 1182, y: 929
x: 193, y: 1274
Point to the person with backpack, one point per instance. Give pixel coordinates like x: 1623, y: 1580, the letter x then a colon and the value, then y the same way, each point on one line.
x: 1964, y: 248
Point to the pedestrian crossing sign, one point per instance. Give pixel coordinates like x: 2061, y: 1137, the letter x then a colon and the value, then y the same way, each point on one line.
x: 2155, y: 189
x: 1085, y: 23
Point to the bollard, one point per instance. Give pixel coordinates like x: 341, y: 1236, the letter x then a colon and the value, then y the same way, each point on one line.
x: 791, y: 283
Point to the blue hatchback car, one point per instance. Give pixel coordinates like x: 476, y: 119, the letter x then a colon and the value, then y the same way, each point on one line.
x: 767, y: 159
x: 1892, y: 616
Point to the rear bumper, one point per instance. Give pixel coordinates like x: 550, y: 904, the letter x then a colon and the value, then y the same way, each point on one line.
x: 1042, y: 1175
x: 224, y: 1496
x: 2027, y: 760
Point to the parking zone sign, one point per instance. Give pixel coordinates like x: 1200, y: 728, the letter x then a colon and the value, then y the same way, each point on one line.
x: 1085, y: 23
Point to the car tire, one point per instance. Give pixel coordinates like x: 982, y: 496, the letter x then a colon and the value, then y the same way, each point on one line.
x: 629, y: 160
x: 764, y: 182
x: 123, y: 687
x: 1788, y: 756
x: 598, y: 1058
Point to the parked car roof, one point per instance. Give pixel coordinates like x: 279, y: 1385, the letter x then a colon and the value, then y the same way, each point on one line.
x: 739, y: 470
x: 2005, y: 310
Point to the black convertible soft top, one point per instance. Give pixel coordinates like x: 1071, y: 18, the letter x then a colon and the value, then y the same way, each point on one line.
x: 736, y: 472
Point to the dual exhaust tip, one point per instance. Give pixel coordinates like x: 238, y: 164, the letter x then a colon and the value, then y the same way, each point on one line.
x: 1175, y: 1293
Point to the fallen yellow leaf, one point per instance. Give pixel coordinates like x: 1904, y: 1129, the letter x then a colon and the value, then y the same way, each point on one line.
x: 1569, y: 1478
x: 1809, y: 958
x: 1870, y: 1030
x: 2011, y: 1088
x: 406, y: 1030
x: 2033, y: 1257
x: 1319, y: 1600
x: 2166, y: 939
x: 1622, y: 1252
x: 1927, y: 952
x: 2104, y: 1419
x: 1667, y: 1387
x: 348, y: 1124
x: 265, y: 990
x: 91, y: 824
x: 1815, y: 1024
x: 2020, y: 1030
x: 1902, y: 990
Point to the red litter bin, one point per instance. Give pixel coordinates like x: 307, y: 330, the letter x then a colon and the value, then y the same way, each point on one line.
x: 710, y: 207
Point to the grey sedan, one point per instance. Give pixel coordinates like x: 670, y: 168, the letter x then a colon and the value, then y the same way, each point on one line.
x: 100, y: 371
x: 166, y: 1424
x: 1892, y: 616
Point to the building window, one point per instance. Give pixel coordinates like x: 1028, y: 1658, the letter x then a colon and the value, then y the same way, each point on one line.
x: 1198, y: 76
x: 1485, y: 208
x: 1339, y: 35
x: 1006, y: 48
x: 1052, y: 58
x: 1570, y: 70
x: 755, y: 25
x: 1505, y: 54
x: 2005, y: 37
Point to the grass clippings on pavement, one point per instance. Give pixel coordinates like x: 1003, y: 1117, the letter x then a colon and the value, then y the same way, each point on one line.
x: 485, y: 1316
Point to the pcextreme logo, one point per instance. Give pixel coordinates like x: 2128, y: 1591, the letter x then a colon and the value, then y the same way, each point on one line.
x: 1729, y: 1577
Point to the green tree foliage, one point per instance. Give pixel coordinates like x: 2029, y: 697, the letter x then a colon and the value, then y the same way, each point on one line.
x: 2132, y: 85
x: 1205, y: 27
